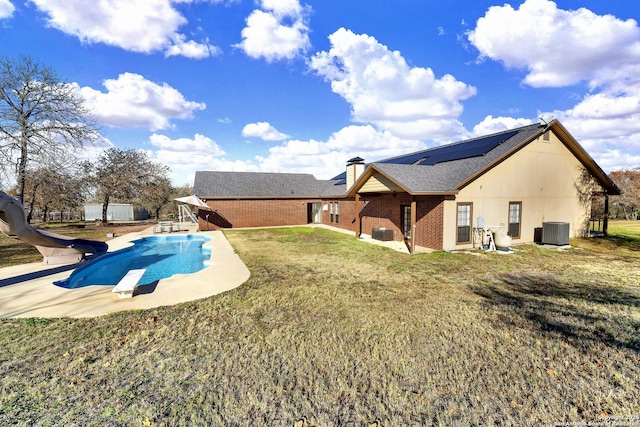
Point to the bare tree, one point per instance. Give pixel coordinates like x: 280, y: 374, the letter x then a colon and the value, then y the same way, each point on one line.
x: 124, y: 175
x: 157, y: 193
x: 49, y: 190
x: 41, y: 117
x: 172, y: 206
x: 629, y: 200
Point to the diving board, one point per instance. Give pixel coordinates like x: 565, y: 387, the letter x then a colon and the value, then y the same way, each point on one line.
x: 129, y: 283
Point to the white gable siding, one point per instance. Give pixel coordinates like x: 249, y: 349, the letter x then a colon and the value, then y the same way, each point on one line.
x: 378, y: 183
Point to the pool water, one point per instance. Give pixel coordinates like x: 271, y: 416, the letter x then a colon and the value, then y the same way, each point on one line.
x: 161, y: 256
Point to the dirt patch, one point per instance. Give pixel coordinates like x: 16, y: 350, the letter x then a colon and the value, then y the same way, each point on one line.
x: 117, y: 228
x: 121, y: 229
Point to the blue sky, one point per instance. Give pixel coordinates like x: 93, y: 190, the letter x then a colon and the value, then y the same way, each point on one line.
x: 303, y: 86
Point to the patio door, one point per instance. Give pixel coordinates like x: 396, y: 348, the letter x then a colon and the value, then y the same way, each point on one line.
x: 314, y: 213
x: 405, y: 220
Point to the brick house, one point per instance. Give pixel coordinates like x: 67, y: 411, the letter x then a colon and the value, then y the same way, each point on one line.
x: 442, y: 198
x: 256, y: 199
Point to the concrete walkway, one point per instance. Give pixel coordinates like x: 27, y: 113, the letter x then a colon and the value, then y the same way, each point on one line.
x: 28, y: 290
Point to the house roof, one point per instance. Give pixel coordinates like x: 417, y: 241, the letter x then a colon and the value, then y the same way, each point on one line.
x: 449, y: 168
x: 256, y: 185
x: 439, y: 170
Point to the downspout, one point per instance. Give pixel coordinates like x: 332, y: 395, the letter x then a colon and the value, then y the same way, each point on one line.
x: 414, y: 207
x: 605, y: 222
x: 358, y: 231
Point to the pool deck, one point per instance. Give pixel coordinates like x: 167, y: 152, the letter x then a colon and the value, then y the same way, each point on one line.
x: 28, y: 291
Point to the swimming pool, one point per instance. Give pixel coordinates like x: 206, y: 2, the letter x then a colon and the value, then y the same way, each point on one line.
x: 161, y: 256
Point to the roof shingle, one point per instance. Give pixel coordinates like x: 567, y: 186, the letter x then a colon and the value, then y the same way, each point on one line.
x: 447, y: 175
x: 215, y: 184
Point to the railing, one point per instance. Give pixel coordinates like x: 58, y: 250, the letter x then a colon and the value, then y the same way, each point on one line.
x: 186, y: 214
x: 596, y: 226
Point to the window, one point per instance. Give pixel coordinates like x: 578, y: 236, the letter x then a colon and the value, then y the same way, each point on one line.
x: 464, y: 223
x: 334, y: 212
x: 515, y: 214
x: 406, y: 220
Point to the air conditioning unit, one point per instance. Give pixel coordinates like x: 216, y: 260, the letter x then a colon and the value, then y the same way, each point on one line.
x: 383, y: 234
x: 555, y: 233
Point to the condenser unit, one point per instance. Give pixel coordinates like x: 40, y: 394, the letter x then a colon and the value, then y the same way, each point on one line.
x: 383, y: 234
x: 555, y: 233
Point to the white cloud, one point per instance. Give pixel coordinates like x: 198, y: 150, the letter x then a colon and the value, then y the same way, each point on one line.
x: 278, y: 31
x: 323, y: 159
x: 132, y: 101
x: 563, y: 47
x: 92, y: 151
x: 559, y: 47
x: 608, y: 126
x: 492, y: 124
x: 197, y: 144
x: 6, y: 9
x: 614, y: 159
x: 186, y: 155
x: 145, y: 27
x: 191, y: 49
x: 384, y: 90
x: 263, y: 130
x: 283, y: 8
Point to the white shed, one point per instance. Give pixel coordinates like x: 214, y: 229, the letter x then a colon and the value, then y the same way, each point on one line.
x: 115, y: 212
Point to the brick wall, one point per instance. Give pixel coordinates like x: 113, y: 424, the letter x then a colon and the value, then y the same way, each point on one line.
x: 255, y: 213
x: 382, y: 211
x: 385, y: 211
x: 429, y: 221
x: 346, y: 214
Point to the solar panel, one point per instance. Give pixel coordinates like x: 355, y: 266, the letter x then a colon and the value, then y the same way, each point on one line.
x: 409, y: 159
x: 341, y: 178
x: 447, y: 153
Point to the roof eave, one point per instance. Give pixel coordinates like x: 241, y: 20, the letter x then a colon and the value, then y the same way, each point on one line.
x: 574, y: 146
x: 435, y: 193
x: 258, y: 197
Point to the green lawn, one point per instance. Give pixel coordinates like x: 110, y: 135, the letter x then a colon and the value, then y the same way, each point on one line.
x: 330, y: 331
x: 627, y: 229
x: 626, y: 234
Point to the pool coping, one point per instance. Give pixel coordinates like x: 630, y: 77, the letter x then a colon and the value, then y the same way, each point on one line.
x: 28, y: 291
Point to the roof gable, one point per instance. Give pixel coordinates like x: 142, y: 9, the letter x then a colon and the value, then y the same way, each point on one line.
x: 449, y: 168
x: 442, y: 170
x: 378, y: 182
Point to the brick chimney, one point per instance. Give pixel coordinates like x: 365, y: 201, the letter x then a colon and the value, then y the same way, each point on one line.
x: 355, y: 167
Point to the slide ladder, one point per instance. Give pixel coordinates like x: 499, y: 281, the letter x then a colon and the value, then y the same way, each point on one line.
x: 185, y: 213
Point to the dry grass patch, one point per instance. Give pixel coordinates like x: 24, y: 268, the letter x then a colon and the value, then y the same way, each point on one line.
x: 331, y: 331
